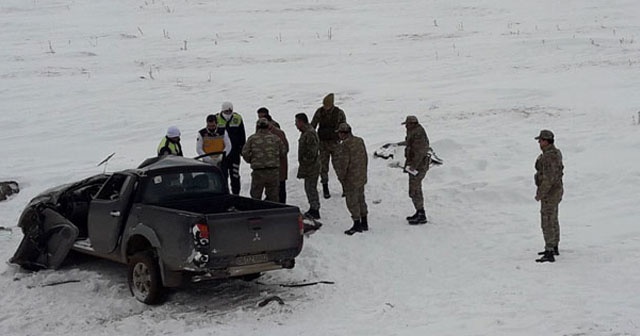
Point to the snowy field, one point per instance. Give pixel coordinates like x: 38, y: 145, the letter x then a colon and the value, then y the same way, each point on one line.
x: 80, y: 79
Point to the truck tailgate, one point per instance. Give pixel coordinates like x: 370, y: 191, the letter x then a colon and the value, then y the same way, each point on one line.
x: 255, y: 232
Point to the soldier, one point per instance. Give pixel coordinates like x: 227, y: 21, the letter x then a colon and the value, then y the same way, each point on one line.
x: 263, y: 112
x: 328, y: 117
x: 170, y: 144
x: 416, y: 165
x: 274, y: 128
x: 309, y: 163
x: 351, y: 168
x: 263, y: 151
x: 232, y: 124
x: 548, y: 179
x: 213, y: 139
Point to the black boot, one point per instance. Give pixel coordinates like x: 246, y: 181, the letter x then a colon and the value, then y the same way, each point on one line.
x: 364, y: 224
x: 325, y: 190
x: 412, y: 217
x: 313, y: 213
x: 547, y: 257
x: 420, y: 219
x: 555, y: 252
x: 357, y: 227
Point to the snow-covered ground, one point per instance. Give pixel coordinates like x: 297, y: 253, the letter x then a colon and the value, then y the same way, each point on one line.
x: 81, y: 79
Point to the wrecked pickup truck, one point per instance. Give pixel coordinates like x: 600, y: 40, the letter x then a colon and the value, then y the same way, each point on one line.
x: 171, y: 220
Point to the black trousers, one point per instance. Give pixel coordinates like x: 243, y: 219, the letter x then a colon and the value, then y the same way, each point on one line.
x: 231, y: 171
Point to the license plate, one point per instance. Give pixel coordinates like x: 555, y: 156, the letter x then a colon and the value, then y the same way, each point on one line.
x: 251, y: 259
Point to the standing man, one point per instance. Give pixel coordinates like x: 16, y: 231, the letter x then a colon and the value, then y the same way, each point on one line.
x: 328, y: 117
x: 548, y: 179
x: 274, y: 128
x: 416, y: 165
x: 213, y: 139
x: 309, y: 163
x: 351, y: 168
x: 170, y: 144
x: 263, y: 152
x: 233, y: 125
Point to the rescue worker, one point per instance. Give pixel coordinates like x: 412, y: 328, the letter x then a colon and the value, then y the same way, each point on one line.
x: 213, y: 139
x: 170, y: 144
x: 263, y: 151
x: 549, y: 191
x: 309, y: 163
x: 327, y: 118
x: 351, y: 169
x: 233, y: 125
x: 274, y: 128
x: 416, y: 165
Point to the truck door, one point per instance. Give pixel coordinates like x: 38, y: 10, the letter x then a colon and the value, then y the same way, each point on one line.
x: 108, y: 212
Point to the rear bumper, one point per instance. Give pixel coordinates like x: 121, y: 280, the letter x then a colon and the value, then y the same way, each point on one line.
x: 235, y: 271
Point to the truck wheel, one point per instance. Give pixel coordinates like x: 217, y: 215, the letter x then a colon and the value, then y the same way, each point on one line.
x: 144, y: 279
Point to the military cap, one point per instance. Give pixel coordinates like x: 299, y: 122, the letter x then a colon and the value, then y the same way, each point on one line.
x: 344, y: 127
x: 545, y: 135
x: 411, y: 120
x: 263, y: 122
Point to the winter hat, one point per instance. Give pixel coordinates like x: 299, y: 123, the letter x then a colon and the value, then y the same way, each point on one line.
x: 410, y: 120
x: 173, y: 132
x: 227, y: 106
x: 344, y: 127
x: 263, y: 123
x: 545, y: 135
x: 328, y: 101
x: 263, y: 110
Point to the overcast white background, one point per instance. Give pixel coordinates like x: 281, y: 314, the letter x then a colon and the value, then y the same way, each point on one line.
x: 82, y: 79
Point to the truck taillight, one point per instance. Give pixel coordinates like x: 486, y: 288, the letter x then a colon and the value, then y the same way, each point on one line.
x: 201, y: 233
x: 301, y: 224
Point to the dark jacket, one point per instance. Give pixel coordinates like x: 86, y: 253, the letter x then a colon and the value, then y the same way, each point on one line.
x: 308, y: 153
x: 327, y: 122
x: 235, y: 129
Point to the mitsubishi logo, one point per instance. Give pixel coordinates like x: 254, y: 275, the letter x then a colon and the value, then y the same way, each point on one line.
x: 256, y: 237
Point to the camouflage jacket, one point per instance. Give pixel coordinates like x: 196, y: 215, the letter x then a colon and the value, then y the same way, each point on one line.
x: 351, y: 162
x: 417, y: 143
x: 549, y: 171
x: 263, y: 150
x: 308, y: 155
x: 327, y: 122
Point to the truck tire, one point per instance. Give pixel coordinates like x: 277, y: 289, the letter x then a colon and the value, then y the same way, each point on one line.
x: 144, y: 278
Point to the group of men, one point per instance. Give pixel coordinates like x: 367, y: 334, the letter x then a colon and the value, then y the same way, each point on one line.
x: 223, y: 141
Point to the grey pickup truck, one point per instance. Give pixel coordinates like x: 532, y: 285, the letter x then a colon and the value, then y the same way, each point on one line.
x: 171, y: 220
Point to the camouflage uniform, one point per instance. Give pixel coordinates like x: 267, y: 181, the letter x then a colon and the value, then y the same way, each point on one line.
x: 309, y: 169
x: 351, y: 169
x: 328, y: 121
x: 263, y: 151
x: 548, y: 179
x: 415, y: 153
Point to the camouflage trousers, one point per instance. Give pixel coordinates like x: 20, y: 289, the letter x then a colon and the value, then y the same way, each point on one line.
x: 356, y: 202
x: 415, y: 187
x: 550, y: 224
x: 311, y: 189
x: 328, y: 150
x: 266, y: 180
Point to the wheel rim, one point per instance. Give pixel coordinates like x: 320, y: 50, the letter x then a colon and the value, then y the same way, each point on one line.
x: 141, y: 281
